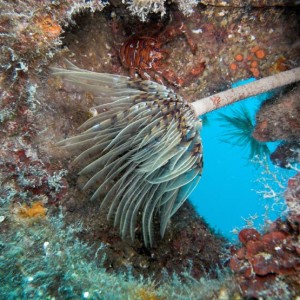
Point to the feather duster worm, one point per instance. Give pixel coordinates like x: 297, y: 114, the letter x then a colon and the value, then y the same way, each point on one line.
x: 143, y: 148
x: 143, y: 144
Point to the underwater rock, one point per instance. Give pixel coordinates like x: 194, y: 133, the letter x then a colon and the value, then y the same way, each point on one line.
x: 286, y: 154
x: 292, y: 196
x: 189, y: 244
x: 279, y: 119
x: 268, y: 265
x: 265, y: 265
x: 247, y: 235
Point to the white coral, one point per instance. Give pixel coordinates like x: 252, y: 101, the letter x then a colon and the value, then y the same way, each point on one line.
x: 81, y: 5
x: 186, y: 6
x: 142, y: 8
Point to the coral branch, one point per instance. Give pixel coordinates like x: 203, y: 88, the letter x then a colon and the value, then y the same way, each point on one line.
x: 221, y: 99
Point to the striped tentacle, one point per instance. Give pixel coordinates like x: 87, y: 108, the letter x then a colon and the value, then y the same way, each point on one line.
x: 143, y: 145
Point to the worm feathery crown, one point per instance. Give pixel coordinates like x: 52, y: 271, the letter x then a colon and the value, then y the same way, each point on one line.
x: 143, y: 145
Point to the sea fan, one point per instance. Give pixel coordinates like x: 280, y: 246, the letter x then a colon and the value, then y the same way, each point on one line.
x: 143, y: 146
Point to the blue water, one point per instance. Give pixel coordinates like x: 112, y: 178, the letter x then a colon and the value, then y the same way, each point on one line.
x: 229, y: 192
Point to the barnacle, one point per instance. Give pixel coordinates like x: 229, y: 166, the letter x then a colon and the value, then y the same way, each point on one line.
x: 142, y: 149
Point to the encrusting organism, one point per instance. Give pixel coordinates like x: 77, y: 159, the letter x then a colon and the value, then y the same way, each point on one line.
x: 142, y: 150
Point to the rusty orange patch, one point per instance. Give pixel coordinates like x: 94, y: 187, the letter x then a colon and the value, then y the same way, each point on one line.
x: 37, y: 209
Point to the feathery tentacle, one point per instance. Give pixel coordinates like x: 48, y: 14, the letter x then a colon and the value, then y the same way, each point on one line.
x: 143, y: 144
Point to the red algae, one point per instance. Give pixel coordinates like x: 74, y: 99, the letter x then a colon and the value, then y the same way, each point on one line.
x: 247, y: 235
x: 264, y: 257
